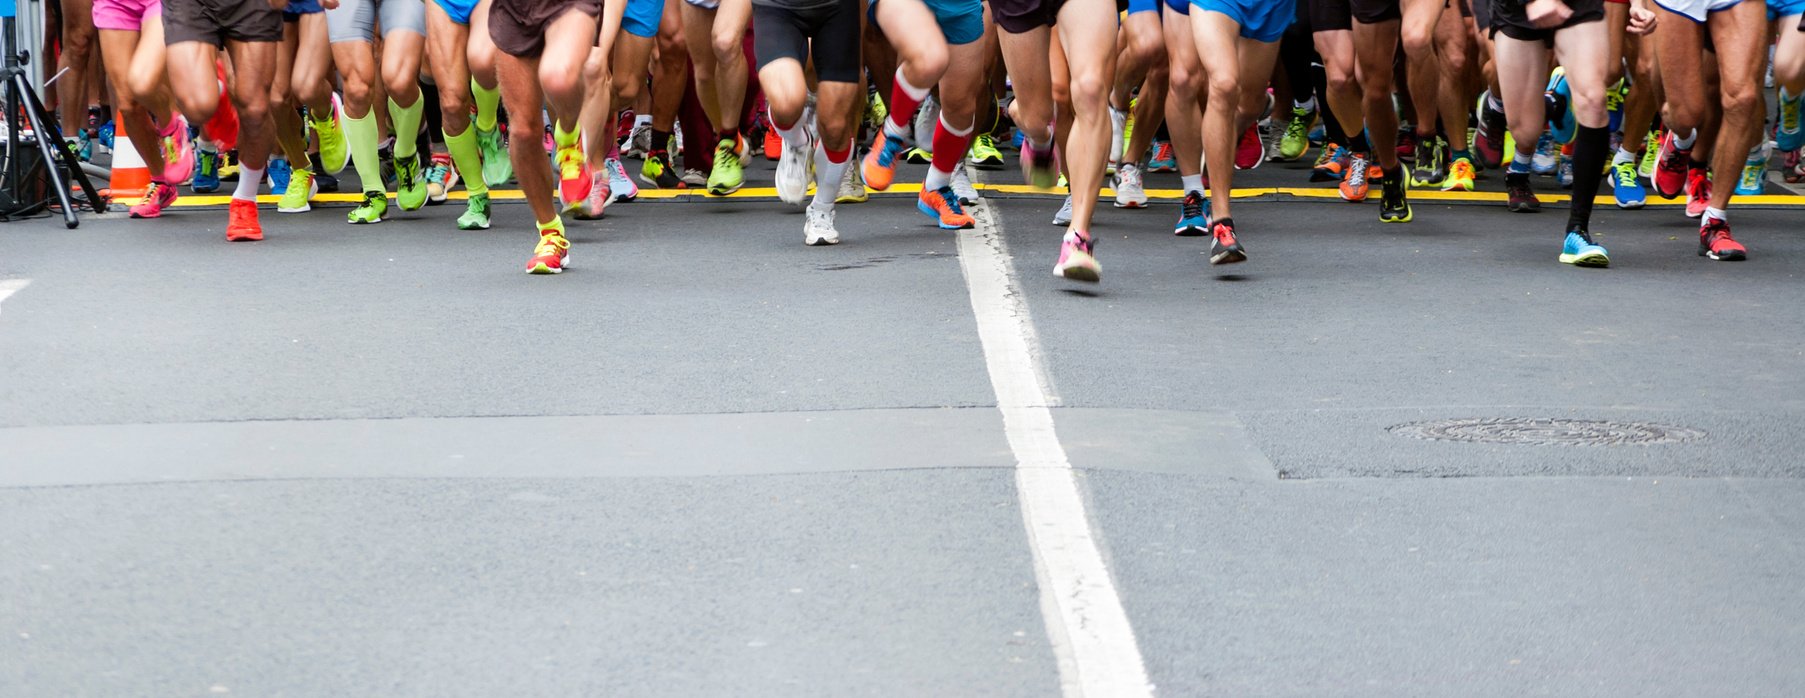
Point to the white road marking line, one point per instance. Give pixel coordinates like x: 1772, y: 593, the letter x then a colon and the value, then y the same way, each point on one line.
x: 10, y: 286
x: 1089, y: 629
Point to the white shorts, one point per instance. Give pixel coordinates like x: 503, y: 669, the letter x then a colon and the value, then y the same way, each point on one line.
x: 705, y: 4
x: 1696, y: 10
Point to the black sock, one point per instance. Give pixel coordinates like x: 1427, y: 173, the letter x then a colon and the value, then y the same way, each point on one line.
x: 1162, y: 134
x: 1358, y: 143
x: 1589, y: 147
x: 661, y: 140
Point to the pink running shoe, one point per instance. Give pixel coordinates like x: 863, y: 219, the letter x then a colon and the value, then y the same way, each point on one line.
x: 178, y: 153
x: 1251, y: 151
x: 1077, y: 259
x: 1698, y: 193
x: 157, y: 197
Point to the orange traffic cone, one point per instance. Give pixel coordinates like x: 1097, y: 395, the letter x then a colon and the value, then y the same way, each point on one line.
x: 130, y: 175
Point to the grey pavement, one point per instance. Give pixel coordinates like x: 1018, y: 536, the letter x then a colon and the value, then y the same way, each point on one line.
x: 711, y: 461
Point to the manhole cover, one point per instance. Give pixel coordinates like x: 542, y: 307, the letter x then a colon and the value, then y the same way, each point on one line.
x: 1547, y: 432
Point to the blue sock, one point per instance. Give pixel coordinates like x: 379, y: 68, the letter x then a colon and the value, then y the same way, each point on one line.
x: 1463, y: 155
x: 1520, y: 162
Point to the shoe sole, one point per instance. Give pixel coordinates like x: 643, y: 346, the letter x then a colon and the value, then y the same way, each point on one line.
x: 1191, y: 231
x: 1731, y: 257
x: 1076, y: 273
x: 1228, y: 257
x: 303, y: 209
x: 1406, y: 218
x: 1131, y: 204
x: 1589, y: 260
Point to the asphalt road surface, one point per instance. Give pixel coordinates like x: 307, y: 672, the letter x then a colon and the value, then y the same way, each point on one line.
x: 709, y: 460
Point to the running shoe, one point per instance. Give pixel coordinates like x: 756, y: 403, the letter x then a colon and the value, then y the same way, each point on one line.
x: 1064, y: 216
x: 1039, y: 167
x: 476, y: 213
x: 595, y: 203
x: 241, y: 222
x: 793, y: 168
x: 656, y: 171
x: 921, y: 132
x: 1794, y: 167
x: 374, y: 208
x: 335, y: 151
x: 206, y: 170
x: 1192, y: 220
x: 1651, y: 150
x: 1520, y: 197
x: 1714, y: 242
x: 773, y: 144
x: 728, y: 172
x: 639, y: 140
x: 410, y: 184
x: 1626, y: 187
x: 551, y: 255
x: 1754, y: 172
x: 984, y: 153
x: 157, y: 196
x: 1698, y: 192
x: 1406, y: 143
x: 1547, y: 156
x: 620, y: 186
x: 1789, y: 134
x: 1077, y: 258
x: 694, y: 178
x: 1580, y: 251
x: 1356, y: 183
x: 875, y: 111
x: 942, y: 205
x: 178, y: 154
x: 818, y: 229
x: 1563, y: 174
x: 1118, y: 123
x: 83, y: 146
x: 299, y: 196
x: 279, y: 172
x: 228, y: 167
x: 1488, y: 141
x: 573, y: 177
x: 325, y: 180
x: 917, y: 156
x: 852, y: 188
x: 1330, y: 163
x: 968, y: 194
x: 440, y: 178
x: 497, y: 169
x: 879, y: 165
x: 1615, y: 97
x: 1163, y: 159
x: 1225, y: 248
x: 1296, y: 140
x: 1561, y: 116
x: 1431, y: 167
x: 1670, y: 171
x: 1460, y: 176
x: 1251, y: 151
x: 1129, y: 192
x: 1394, y: 199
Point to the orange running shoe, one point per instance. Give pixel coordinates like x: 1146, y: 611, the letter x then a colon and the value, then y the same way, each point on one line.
x: 241, y: 222
x: 879, y: 166
x: 1355, y: 180
x: 773, y: 144
x: 573, y: 177
x: 943, y: 206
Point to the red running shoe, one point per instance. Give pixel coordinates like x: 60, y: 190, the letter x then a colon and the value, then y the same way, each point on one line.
x: 241, y: 222
x: 1251, y: 151
x: 1714, y: 242
x: 1698, y: 192
x: 1670, y: 169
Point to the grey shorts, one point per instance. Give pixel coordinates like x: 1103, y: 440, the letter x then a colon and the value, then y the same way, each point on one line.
x: 355, y: 20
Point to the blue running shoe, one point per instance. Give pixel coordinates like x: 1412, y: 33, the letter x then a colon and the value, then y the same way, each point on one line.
x: 1580, y: 251
x: 279, y: 172
x: 1319, y: 135
x: 1192, y: 222
x: 206, y: 171
x: 106, y: 134
x: 1163, y: 157
x: 1561, y: 110
x: 1547, y: 156
x: 1628, y: 189
x: 1016, y: 140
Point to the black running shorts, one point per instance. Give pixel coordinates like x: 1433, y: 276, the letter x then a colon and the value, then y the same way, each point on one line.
x: 782, y: 32
x: 1509, y: 18
x: 1330, y: 15
x: 218, y: 21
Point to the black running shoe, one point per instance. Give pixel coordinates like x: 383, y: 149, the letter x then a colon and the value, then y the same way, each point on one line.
x: 1522, y: 196
x: 1394, y: 199
x: 1225, y: 248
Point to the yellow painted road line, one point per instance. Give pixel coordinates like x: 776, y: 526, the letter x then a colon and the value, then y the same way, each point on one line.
x: 908, y: 188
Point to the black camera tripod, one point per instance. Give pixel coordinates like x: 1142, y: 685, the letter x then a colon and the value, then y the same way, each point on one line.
x: 59, y: 161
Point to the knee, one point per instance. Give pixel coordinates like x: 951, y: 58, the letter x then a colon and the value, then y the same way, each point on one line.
x: 1224, y: 89
x: 358, y: 92
x: 1342, y: 81
x: 1417, y: 41
x: 401, y: 86
x: 454, y: 103
x: 1149, y: 50
x: 627, y: 91
x: 1588, y: 105
x: 254, y: 110
x: 525, y: 130
x: 931, y: 62
x: 1088, y: 88
x: 558, y: 81
x: 1743, y: 100
x: 727, y: 46
x: 1453, y: 61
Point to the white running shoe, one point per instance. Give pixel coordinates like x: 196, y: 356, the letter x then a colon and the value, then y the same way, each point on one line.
x: 1118, y: 122
x: 925, y: 121
x: 819, y: 230
x: 1129, y: 193
x: 621, y: 186
x: 695, y: 178
x: 1064, y: 216
x: 793, y: 169
x: 968, y: 194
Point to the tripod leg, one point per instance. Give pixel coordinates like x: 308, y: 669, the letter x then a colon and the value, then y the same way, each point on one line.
x: 50, y: 143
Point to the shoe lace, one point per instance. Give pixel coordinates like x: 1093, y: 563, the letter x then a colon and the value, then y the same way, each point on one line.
x: 372, y: 198
x: 1163, y: 151
x: 1356, y: 172
x: 1192, y: 206
x: 437, y: 173
x: 151, y: 191
x: 950, y: 200
x: 551, y: 242
x: 1626, y: 173
x: 1297, y: 128
x: 570, y: 162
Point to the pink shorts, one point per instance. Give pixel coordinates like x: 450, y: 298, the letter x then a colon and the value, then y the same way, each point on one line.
x: 125, y: 15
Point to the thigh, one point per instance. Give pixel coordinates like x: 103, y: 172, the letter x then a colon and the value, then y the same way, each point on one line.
x: 698, y: 33
x: 1086, y: 31
x: 254, y: 65
x: 447, y: 48
x: 1740, y: 35
x: 836, y: 45
x: 1583, y: 49
x: 118, y: 48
